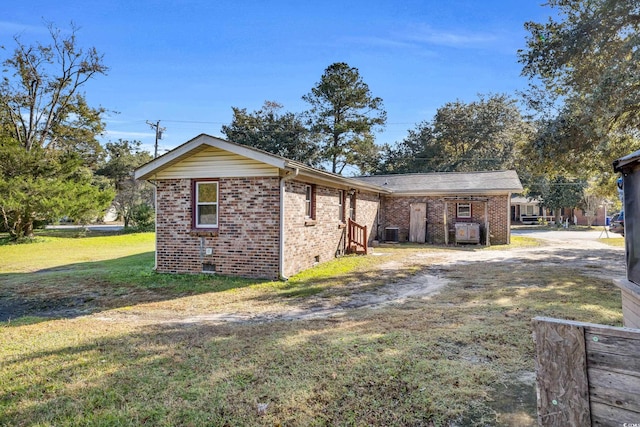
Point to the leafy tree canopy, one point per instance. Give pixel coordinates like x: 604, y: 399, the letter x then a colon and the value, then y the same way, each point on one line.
x: 270, y: 130
x: 557, y: 192
x: 48, y: 135
x: 45, y: 185
x: 585, y: 73
x: 40, y: 93
x: 485, y: 134
x: 132, y: 196
x: 343, y: 116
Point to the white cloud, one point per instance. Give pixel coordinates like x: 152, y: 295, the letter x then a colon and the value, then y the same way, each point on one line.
x: 420, y: 37
x: 380, y: 42
x: 14, y: 28
x: 128, y: 135
x: 448, y: 38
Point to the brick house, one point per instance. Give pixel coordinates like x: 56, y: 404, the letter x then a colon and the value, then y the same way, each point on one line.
x: 231, y: 209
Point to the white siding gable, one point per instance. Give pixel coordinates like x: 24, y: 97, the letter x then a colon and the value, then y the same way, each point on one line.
x: 216, y: 163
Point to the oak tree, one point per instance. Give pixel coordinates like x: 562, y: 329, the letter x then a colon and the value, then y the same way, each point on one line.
x: 486, y: 134
x: 584, y: 67
x: 268, y: 129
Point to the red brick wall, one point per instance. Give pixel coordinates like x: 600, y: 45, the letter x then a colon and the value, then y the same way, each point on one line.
x: 598, y: 220
x: 247, y: 241
x: 367, y: 208
x: 395, y: 212
x: 248, y: 238
x: 322, y: 238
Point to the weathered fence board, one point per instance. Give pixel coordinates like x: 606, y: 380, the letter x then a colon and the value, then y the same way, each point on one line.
x: 563, y: 391
x: 609, y: 365
x: 607, y: 416
x: 618, y: 353
x: 630, y: 302
x: 614, y: 389
x: 630, y: 309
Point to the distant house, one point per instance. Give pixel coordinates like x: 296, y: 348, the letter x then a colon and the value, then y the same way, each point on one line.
x: 526, y: 210
x: 234, y: 210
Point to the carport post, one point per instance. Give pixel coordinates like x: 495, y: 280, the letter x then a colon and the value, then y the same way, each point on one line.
x: 444, y: 220
x: 486, y: 224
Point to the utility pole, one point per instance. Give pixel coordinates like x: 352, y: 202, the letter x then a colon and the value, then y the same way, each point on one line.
x: 159, y: 130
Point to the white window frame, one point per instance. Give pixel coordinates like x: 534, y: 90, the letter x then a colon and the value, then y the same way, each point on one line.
x: 308, y: 201
x: 464, y: 213
x: 197, y: 204
x: 352, y: 206
x: 341, y: 205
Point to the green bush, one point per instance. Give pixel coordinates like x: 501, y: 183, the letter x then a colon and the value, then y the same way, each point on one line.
x: 143, y: 217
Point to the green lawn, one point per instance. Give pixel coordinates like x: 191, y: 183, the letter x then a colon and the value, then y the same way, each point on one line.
x: 135, y: 360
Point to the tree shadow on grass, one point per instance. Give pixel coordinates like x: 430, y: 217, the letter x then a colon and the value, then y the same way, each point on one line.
x: 392, y: 367
x: 79, y: 289
x: 321, y: 372
x: 67, y: 233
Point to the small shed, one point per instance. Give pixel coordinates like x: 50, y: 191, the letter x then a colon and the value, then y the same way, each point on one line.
x: 629, y: 167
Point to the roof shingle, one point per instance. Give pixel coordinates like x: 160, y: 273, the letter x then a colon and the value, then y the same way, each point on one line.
x: 448, y: 182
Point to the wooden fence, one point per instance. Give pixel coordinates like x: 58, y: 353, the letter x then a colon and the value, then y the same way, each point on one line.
x: 587, y: 375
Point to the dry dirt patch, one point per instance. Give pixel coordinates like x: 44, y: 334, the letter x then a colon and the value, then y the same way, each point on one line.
x: 585, y: 256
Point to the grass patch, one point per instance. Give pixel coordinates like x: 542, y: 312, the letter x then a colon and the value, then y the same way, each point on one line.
x: 613, y: 242
x: 58, y: 249
x: 69, y: 277
x: 517, y: 242
x: 447, y: 359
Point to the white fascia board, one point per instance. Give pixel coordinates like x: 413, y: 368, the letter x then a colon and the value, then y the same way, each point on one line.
x: 184, y: 150
x: 418, y: 193
x: 334, y: 180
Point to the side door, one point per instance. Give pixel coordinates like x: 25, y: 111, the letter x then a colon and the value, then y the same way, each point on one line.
x: 418, y: 223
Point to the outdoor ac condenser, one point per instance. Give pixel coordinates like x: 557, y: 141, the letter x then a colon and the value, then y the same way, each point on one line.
x: 391, y: 234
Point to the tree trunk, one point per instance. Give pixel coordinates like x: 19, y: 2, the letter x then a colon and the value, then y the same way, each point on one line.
x: 556, y: 217
x: 28, y: 228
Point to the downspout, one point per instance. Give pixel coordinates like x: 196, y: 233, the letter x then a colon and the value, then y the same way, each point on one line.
x: 155, y: 221
x: 290, y: 175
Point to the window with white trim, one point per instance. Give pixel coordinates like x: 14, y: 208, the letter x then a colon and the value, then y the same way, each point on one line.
x: 206, y: 204
x: 341, y: 205
x: 309, y: 201
x: 352, y: 206
x: 464, y: 210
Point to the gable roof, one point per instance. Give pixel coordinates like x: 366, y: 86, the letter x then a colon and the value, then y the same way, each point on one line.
x: 493, y: 182
x: 198, y: 144
x: 204, y: 141
x: 441, y: 183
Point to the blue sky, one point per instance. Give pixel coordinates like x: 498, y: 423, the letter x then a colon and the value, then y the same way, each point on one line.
x: 187, y: 63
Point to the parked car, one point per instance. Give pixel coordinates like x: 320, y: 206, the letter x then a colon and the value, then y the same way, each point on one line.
x: 617, y: 223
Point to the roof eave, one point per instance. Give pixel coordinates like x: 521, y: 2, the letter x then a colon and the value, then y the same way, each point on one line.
x: 622, y: 164
x: 156, y: 165
x: 331, y: 178
x: 492, y: 192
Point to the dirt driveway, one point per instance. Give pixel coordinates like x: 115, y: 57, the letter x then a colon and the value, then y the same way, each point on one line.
x: 578, y: 250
